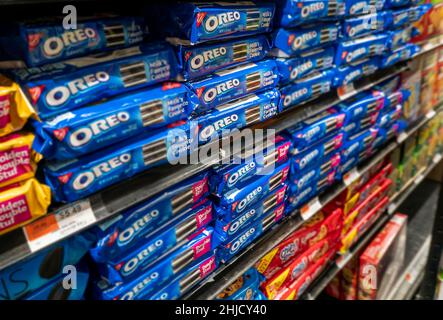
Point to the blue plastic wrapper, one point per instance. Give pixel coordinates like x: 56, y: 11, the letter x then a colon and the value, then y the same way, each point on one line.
x: 349, y: 164
x: 25, y: 277
x: 314, y: 129
x: 244, y: 288
x: 89, y: 129
x: 38, y: 43
x: 364, y: 25
x: 387, y: 120
x: 347, y: 74
x: 130, y: 228
x: 405, y: 17
x: 399, y: 38
x: 289, y: 42
x: 321, y: 176
x: 292, y: 69
x: 234, y: 83
x: 77, y: 178
x: 306, y: 89
x: 291, y: 13
x: 362, y: 106
x: 155, y: 246
x: 358, y: 7
x: 400, y: 54
x: 226, y: 177
x: 360, y: 143
x: 187, y: 280
x: 238, y: 114
x: 204, y: 59
x: 192, y: 23
x: 355, y: 50
x: 159, y: 273
x: 395, y: 98
x: 399, y: 3
x: 384, y: 135
x: 297, y: 199
x: 68, y: 85
x: 357, y: 126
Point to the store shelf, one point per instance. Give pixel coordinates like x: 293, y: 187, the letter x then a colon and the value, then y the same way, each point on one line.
x: 78, y: 216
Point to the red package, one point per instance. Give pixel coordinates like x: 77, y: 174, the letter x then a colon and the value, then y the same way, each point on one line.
x: 349, y: 280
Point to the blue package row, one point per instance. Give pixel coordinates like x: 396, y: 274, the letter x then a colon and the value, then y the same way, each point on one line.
x: 401, y: 54
x: 359, y: 7
x: 361, y: 106
x: 77, y: 178
x: 246, y: 287
x: 395, y: 98
x: 289, y: 42
x: 387, y: 119
x: 192, y: 23
x: 324, y: 175
x: 39, y: 43
x: 78, y: 82
x: 384, y: 135
x: 89, y: 129
x: 234, y: 82
x: 226, y: 177
x: 364, y: 25
x: 130, y: 228
x: 399, y: 3
x: 361, y: 142
x: 306, y: 89
x: 359, y: 125
x: 291, y: 13
x: 405, y: 17
x: 347, y: 74
x: 130, y: 265
x: 399, y: 38
x: 31, y: 274
x: 295, y: 68
x: 237, y: 114
x: 159, y: 273
x: 197, y: 61
x: 355, y: 50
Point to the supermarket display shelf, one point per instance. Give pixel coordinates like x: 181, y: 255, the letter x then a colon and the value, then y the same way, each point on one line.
x: 325, y: 278
x: 75, y: 217
x: 430, y: 44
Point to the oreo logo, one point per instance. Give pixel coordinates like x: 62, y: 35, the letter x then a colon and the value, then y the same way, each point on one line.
x: 240, y: 173
x: 212, y: 93
x: 53, y: 46
x: 238, y: 244
x: 213, y: 22
x: 200, y: 60
x: 131, y: 265
x: 139, y: 225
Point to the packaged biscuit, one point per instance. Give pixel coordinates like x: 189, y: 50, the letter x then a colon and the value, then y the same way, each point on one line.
x: 192, y: 23
x: 18, y: 161
x: 362, y: 105
x: 204, y: 59
x: 387, y: 119
x: 400, y: 54
x: 323, y: 174
x: 347, y: 74
x: 358, y: 7
x: 399, y: 38
x: 22, y: 202
x: 244, y: 288
x: 61, y: 87
x: 364, y: 25
x: 354, y: 50
x: 359, y: 144
x: 358, y: 125
x: 87, y: 130
x: 15, y: 108
x: 37, y: 42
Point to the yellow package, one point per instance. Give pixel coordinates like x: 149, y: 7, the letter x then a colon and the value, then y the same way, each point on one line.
x: 18, y: 161
x: 22, y: 203
x: 15, y: 109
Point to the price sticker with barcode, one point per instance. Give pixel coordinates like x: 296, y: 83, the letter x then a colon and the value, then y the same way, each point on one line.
x: 351, y: 176
x: 311, y: 208
x: 346, y: 91
x: 402, y: 137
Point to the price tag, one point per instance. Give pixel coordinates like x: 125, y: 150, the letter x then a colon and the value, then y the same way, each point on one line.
x: 343, y: 260
x: 391, y: 208
x: 419, y: 179
x: 346, y: 91
x: 311, y: 208
x: 58, y: 225
x: 437, y: 158
x: 402, y: 137
x: 431, y: 114
x: 351, y: 177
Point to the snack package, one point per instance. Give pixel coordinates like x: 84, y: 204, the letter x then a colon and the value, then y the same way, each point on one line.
x: 245, y: 287
x: 89, y: 129
x: 359, y: 125
x: 68, y: 85
x: 399, y: 38
x: 355, y: 50
x: 204, y: 59
x: 356, y: 27
x: 288, y: 42
x: 358, y: 7
x: 362, y: 106
x: 347, y: 74
x: 22, y: 202
x: 77, y: 178
x: 25, y: 277
x: 234, y: 82
x: 38, y: 43
x: 387, y: 119
x: 358, y: 144
x: 400, y: 54
x: 315, y: 176
x: 15, y: 108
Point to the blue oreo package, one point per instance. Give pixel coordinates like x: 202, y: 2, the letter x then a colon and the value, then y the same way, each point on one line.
x: 297, y: 199
x: 54, y: 290
x: 398, y: 3
x: 186, y: 281
x: 229, y: 228
x: 244, y: 288
x: 238, y: 200
x: 237, y: 114
x: 25, y: 277
x: 156, y: 245
x: 92, y: 128
x: 38, y: 43
x: 357, y: 144
x: 78, y: 82
x: 399, y: 38
x: 396, y: 98
x: 359, y: 125
x: 400, y: 54
x: 230, y: 248
x: 362, y: 106
x: 386, y: 120
x: 306, y: 89
x: 292, y: 69
x: 349, y: 164
x: 364, y: 25
x: 347, y: 74
x: 404, y: 17
x: 226, y: 177
x: 291, y: 13
x: 359, y: 7
x: 192, y: 23
x: 355, y: 50
x: 234, y: 82
x: 128, y: 229
x: 289, y: 42
x: 384, y: 135
x: 77, y: 178
x: 317, y: 176
x: 312, y: 130
x: 204, y: 59
x: 160, y: 272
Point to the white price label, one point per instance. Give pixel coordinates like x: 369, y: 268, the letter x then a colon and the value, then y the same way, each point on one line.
x: 419, y: 179
x: 402, y: 137
x: 311, y: 208
x: 346, y: 91
x: 437, y: 158
x: 391, y: 208
x: 431, y: 114
x: 343, y: 260
x: 59, y: 225
x: 351, y: 177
